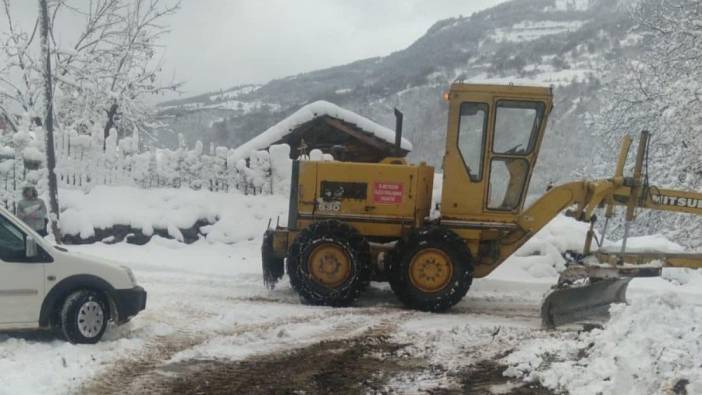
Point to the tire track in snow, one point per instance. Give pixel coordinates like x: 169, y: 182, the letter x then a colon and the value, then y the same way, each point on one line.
x: 144, y: 372
x: 360, y: 363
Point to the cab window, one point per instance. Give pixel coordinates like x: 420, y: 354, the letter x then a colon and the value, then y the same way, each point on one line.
x: 472, y: 125
x: 12, y: 242
x: 507, y: 181
x: 516, y: 126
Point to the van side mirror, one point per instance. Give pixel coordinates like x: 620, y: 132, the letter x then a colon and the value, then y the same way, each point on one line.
x: 30, y: 247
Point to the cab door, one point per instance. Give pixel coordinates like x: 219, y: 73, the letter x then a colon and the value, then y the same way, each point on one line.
x: 492, y: 143
x: 511, y: 157
x: 22, y: 279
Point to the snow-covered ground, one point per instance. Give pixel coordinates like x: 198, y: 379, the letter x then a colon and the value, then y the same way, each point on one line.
x: 208, y: 307
x: 528, y: 31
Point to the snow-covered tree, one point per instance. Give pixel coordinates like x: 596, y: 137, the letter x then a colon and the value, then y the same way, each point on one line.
x: 661, y: 91
x: 102, y: 78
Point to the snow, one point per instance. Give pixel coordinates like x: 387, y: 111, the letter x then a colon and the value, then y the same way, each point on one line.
x: 308, y: 113
x: 281, y: 168
x: 542, y: 77
x: 244, y: 106
x: 33, y: 154
x: 647, y: 347
x: 235, y: 93
x: 529, y: 30
x: 7, y: 152
x: 32, y: 366
x: 571, y: 5
x: 235, y: 217
x: 540, y: 259
x: 647, y: 244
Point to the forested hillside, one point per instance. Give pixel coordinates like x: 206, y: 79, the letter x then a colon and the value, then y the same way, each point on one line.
x: 612, y: 66
x: 563, y: 43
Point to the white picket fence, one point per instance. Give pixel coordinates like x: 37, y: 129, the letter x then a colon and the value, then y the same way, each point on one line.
x: 83, y: 162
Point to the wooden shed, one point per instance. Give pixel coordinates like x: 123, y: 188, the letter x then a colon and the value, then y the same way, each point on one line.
x: 325, y: 126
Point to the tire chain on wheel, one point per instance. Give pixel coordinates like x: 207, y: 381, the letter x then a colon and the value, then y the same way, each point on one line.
x: 401, y: 256
x: 273, y: 266
x: 352, y: 241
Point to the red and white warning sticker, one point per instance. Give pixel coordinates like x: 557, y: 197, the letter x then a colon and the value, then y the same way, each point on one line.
x: 388, y: 192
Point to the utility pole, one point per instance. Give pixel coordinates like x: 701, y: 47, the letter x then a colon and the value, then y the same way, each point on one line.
x: 49, y: 119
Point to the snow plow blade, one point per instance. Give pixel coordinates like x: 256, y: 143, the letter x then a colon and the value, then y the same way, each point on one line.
x: 583, y: 304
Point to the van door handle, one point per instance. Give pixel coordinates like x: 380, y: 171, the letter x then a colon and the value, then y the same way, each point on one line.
x: 51, y: 278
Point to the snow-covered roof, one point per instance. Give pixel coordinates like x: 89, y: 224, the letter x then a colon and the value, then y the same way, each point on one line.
x: 307, y: 113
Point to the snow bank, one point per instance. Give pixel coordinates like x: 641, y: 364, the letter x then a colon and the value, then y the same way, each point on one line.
x: 541, y: 258
x: 646, y: 244
x: 306, y: 114
x: 235, y: 217
x: 649, y: 347
x: 31, y: 366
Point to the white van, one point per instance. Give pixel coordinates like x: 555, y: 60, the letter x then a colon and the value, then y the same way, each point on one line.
x: 46, y: 287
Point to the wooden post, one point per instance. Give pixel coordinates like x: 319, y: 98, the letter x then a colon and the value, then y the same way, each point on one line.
x: 49, y: 120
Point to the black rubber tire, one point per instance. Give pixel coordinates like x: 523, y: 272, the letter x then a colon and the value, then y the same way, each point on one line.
x: 70, y: 310
x: 273, y: 266
x: 355, y: 246
x: 438, y: 238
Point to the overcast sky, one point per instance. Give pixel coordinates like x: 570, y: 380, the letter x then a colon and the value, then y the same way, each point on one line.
x: 217, y: 44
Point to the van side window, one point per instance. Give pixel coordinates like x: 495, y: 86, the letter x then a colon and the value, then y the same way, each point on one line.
x: 12, y: 244
x: 472, y: 125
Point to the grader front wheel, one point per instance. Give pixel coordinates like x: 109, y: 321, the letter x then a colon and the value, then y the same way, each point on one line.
x: 431, y: 270
x: 329, y: 264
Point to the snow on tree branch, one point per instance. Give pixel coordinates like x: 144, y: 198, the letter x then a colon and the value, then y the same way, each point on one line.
x: 660, y: 91
x: 104, y: 77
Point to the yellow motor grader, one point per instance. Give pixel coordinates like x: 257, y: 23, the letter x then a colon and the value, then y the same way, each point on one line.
x: 350, y: 223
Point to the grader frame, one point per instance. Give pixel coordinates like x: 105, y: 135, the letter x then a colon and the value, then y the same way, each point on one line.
x: 352, y: 222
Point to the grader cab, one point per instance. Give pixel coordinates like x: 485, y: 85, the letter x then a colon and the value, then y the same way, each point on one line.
x: 350, y: 223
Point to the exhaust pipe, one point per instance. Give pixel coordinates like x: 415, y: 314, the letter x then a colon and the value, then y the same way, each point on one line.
x: 398, y: 132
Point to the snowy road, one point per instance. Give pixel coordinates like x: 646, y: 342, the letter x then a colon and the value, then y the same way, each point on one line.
x: 211, y: 327
x: 207, y: 303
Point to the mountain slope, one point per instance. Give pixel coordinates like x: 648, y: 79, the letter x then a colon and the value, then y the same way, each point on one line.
x: 565, y: 43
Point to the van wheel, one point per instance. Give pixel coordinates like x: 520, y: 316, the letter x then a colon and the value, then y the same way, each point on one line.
x: 329, y: 264
x: 84, y: 317
x: 431, y: 270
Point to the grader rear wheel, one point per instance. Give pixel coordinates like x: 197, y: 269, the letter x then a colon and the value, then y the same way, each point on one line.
x: 329, y: 264
x: 431, y: 270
